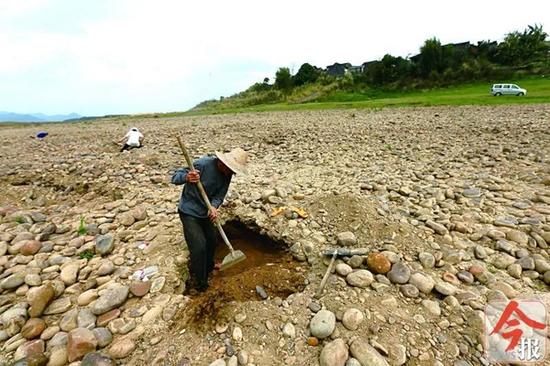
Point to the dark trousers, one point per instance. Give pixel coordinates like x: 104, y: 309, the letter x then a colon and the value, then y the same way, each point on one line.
x: 128, y: 147
x: 200, y: 236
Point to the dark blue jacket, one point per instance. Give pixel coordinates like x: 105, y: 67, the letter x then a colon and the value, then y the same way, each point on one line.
x: 215, y: 184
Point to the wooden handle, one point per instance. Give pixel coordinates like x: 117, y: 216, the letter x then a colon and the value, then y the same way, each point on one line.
x: 203, y: 193
x: 325, y: 277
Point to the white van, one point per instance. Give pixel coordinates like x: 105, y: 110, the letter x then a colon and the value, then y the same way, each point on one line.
x: 507, y: 89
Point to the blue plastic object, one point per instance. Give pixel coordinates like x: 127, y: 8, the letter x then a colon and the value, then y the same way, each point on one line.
x: 41, y: 134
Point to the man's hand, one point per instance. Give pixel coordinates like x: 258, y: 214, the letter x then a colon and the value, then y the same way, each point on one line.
x: 193, y: 177
x: 213, y: 214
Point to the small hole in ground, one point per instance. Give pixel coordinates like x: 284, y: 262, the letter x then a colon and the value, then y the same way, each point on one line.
x: 268, y: 264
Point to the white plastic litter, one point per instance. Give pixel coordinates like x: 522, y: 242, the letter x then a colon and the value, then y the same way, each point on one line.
x: 142, y: 245
x: 144, y: 274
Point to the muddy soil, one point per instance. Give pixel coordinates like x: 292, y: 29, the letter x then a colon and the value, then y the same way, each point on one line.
x: 268, y: 264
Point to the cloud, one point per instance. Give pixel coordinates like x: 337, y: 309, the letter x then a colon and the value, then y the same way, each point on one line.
x: 134, y: 56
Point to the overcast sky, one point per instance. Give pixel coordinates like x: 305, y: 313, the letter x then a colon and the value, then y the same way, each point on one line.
x: 100, y: 57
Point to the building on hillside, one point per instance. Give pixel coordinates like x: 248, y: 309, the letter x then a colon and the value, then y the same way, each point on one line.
x: 365, y: 65
x: 355, y: 69
x: 338, y: 69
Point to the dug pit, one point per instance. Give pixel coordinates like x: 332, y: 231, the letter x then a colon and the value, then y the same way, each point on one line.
x: 268, y: 264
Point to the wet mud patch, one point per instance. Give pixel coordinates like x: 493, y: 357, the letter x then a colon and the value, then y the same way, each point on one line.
x: 268, y: 264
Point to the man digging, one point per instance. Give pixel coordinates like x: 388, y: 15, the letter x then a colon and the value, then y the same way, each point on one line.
x: 215, y: 173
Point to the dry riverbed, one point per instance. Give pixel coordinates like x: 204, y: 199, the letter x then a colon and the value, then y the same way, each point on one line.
x: 451, y: 204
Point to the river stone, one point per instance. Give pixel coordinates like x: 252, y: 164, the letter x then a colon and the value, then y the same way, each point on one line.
x: 346, y: 238
x: 505, y: 288
x: 352, y: 318
x: 15, y: 312
x: 542, y: 266
x: 505, y: 246
x: 49, y: 332
x: 86, y: 319
x: 437, y: 227
x: 122, y: 326
x: 409, y: 290
x: 472, y: 192
x: 546, y: 277
x: 69, y: 320
x: 121, y: 348
x: 113, y: 297
x: 526, y: 263
x: 103, y: 335
x: 323, y: 323
x: 422, y: 282
x: 97, y: 359
x: 104, y: 319
x: 432, y: 307
x: 480, y: 252
x: 366, y: 354
x: 87, y: 297
x: 31, y: 247
x: 445, y: 288
x: 58, y: 306
x: 140, y: 288
x: 30, y: 349
x: 139, y: 213
x: 126, y: 219
x: 59, y: 339
x: 397, y: 354
x: 289, y: 330
x: 466, y: 277
x: 58, y: 356
x: 104, y: 244
x: 69, y: 272
x: 378, y: 263
x: 79, y: 342
x: 33, y: 328
x: 514, y: 270
x: 426, y: 259
x: 13, y: 281
x: 360, y: 278
x: 33, y: 279
x: 356, y: 261
x: 400, y: 273
x: 38, y: 359
x: 157, y: 284
x: 502, y: 260
x: 105, y: 268
x: 517, y: 236
x: 343, y: 269
x: 334, y: 353
x: 261, y: 292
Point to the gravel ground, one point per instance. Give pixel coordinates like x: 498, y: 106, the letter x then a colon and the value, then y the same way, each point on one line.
x: 448, y: 208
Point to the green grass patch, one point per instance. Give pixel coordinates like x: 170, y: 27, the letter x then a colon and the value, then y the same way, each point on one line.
x: 87, y: 254
x: 538, y: 91
x: 82, y: 227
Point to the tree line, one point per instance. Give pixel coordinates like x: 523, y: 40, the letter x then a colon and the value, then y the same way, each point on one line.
x: 527, y: 51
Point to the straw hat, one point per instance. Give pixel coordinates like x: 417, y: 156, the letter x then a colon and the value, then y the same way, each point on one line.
x: 235, y: 160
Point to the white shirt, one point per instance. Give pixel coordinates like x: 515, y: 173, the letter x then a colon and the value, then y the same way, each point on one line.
x: 133, y: 138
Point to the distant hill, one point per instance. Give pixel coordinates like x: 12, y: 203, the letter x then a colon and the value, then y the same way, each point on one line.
x: 36, y: 117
